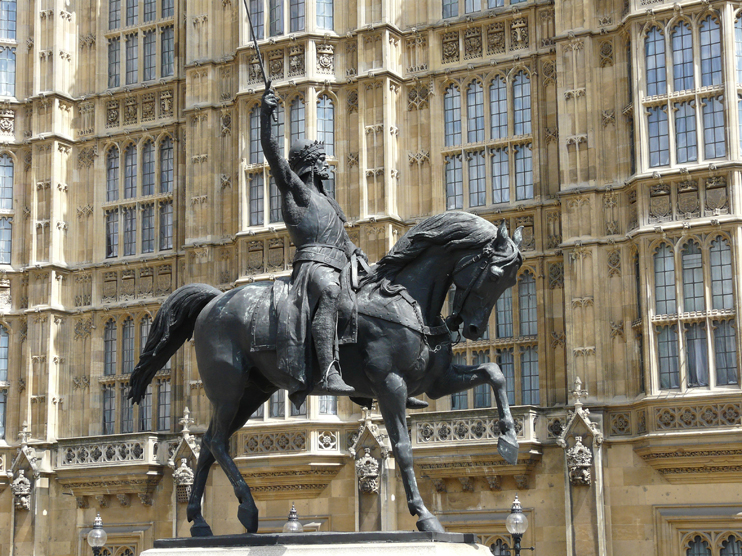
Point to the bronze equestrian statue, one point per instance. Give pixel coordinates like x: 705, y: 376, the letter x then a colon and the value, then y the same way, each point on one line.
x: 400, y: 346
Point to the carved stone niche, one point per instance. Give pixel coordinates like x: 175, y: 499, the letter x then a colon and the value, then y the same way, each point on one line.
x: 184, y: 459
x: 581, y: 439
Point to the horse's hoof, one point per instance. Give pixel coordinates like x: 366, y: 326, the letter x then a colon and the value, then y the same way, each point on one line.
x: 430, y: 524
x: 201, y: 530
x: 248, y: 517
x: 507, y: 446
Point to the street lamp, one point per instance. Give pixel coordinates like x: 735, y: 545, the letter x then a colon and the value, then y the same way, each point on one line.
x: 517, y: 523
x: 98, y: 536
x: 293, y: 525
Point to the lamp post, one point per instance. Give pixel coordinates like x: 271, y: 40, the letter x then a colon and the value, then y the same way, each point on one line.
x: 516, y: 524
x: 293, y: 525
x: 98, y: 536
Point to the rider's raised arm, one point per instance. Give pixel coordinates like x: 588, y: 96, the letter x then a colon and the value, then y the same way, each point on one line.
x: 286, y: 180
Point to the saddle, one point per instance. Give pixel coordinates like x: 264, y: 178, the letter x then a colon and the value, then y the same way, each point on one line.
x: 394, y: 306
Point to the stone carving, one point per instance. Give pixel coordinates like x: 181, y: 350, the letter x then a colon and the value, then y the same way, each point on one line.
x: 367, y: 471
x: 86, y: 157
x: 112, y: 113
x: 417, y: 97
x: 459, y: 430
x: 614, y: 263
x: 352, y: 101
x: 166, y: 103
x: 7, y: 122
x: 22, y: 489
x: 473, y: 43
x: 451, y: 47
x: 556, y: 275
x: 131, y: 111
x: 283, y: 441
x: 325, y: 58
x: 275, y: 64
x: 494, y: 482
x: 327, y: 440
x: 620, y: 424
x: 557, y: 339
x: 519, y: 33
x: 183, y: 477
x: 496, y: 38
x: 698, y: 416
x: 148, y: 107
x: 606, y: 54
x: 579, y: 463
x: 717, y: 200
x: 296, y: 61
x: 548, y: 71
x: 108, y: 453
x: 608, y: 117
x: 225, y: 123
x: 467, y: 484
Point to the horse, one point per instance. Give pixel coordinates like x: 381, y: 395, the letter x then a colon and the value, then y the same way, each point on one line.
x: 391, y: 360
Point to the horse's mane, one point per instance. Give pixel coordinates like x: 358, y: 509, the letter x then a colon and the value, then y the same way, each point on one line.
x: 452, y: 230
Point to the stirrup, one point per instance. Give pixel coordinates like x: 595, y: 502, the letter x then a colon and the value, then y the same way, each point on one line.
x: 342, y: 388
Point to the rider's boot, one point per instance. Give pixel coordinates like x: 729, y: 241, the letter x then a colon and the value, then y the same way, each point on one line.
x: 333, y: 383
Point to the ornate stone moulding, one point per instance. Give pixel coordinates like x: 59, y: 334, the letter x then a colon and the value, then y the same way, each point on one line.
x: 693, y: 463
x: 139, y: 480
x: 484, y: 463
x: 288, y: 477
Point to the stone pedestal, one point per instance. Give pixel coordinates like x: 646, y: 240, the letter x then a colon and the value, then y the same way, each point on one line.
x: 397, y: 543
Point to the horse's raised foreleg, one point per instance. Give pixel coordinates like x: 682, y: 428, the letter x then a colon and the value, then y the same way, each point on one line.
x: 459, y: 378
x: 392, y: 394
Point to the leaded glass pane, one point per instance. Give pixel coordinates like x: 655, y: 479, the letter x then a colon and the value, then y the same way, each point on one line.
x: 482, y: 392
x: 498, y: 108
x: 275, y: 200
x: 166, y: 226
x: 452, y: 116
x: 132, y: 58
x: 682, y: 57
x: 459, y: 400
x: 454, y: 183
x: 324, y: 14
x: 527, y: 310
x: 150, y: 9
x: 731, y: 547
x: 256, y: 148
x: 471, y: 6
x: 6, y: 240
x: 127, y: 412
x: 145, y: 410
x: 297, y: 16
x: 698, y: 547
x: 659, y: 139
x: 130, y: 172
x: 495, y: 4
x: 522, y: 103
x: 722, y: 287
x: 277, y: 404
x: 130, y: 231
x: 655, y: 61
x: 664, y: 280
x: 329, y: 184
x: 504, y: 314
x: 258, y: 18
x: 114, y: 62
x: 166, y: 165
x: 477, y: 179
x: 6, y: 182
x: 277, y: 127
x: 326, y: 124
x: 112, y: 234
x: 697, y: 355
x: 114, y: 14
x: 163, y: 406
x: 4, y: 351
x: 8, y: 16
x: 300, y: 411
x: 500, y: 176
x: 297, y: 120
x: 667, y: 351
x: 475, y: 112
x: 725, y: 351
x: 276, y: 17
x: 710, y: 52
x: 738, y: 48
x: 692, y: 278
x: 168, y: 8
x: 530, y: 393
x: 685, y: 132
x: 256, y: 199
x: 148, y: 168
x: 328, y: 405
x: 713, y: 128
x: 499, y: 548
x: 3, y: 408
x: 148, y: 229
x: 506, y: 363
x: 109, y: 409
x: 7, y: 71
x: 109, y: 348
x: 150, y: 55
x: 132, y: 12
x: 167, y: 57
x: 523, y: 172
x: 450, y: 8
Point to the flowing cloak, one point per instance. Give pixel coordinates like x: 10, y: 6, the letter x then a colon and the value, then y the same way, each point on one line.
x: 320, y: 240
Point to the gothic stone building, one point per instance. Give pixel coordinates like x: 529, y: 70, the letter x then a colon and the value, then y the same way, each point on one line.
x: 130, y: 164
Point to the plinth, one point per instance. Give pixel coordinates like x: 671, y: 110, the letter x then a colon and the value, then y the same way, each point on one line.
x: 391, y: 543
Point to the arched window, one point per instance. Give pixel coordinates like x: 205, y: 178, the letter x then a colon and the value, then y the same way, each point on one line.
x: 6, y: 182
x: 505, y: 361
x: 500, y: 176
x: 731, y: 547
x: 527, y: 305
x: 4, y: 352
x: 500, y: 548
x: 523, y: 172
x: 166, y: 165
x: 654, y: 49
x: 682, y: 57
x: 326, y: 124
x: 499, y: 108
x: 6, y: 240
x: 475, y: 112
x: 130, y: 172
x: 256, y: 148
x: 664, y: 280
x: 477, y: 179
x: 722, y: 288
x: 109, y: 348
x: 504, y: 314
x: 148, y: 168
x: 714, y: 141
x: 127, y: 346
x: 275, y: 201
x: 522, y: 103
x: 692, y: 277
x: 112, y: 175
x: 8, y: 11
x: 256, y: 199
x: 710, y: 52
x: 698, y: 547
x: 452, y: 116
x: 144, y: 327
x: 529, y: 385
x: 685, y: 132
x: 667, y: 352
x: 297, y: 120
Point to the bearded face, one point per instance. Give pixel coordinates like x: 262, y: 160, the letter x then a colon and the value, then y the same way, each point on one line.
x: 321, y: 169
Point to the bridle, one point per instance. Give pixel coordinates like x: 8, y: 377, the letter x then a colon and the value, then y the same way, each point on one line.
x: 487, y: 257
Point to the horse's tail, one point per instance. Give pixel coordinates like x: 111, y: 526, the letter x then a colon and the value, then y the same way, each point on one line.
x: 172, y: 327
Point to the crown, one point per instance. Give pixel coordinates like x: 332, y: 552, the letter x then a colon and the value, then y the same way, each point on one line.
x: 312, y: 150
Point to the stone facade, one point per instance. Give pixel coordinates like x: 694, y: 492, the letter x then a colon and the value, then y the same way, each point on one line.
x: 133, y: 175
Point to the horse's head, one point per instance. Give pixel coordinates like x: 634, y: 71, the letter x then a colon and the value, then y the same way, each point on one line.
x: 481, y: 278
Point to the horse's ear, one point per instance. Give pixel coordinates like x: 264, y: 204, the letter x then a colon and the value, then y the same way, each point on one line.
x: 502, y: 233
x: 518, y: 236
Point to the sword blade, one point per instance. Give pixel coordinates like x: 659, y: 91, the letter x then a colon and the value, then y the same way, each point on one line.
x: 255, y: 40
